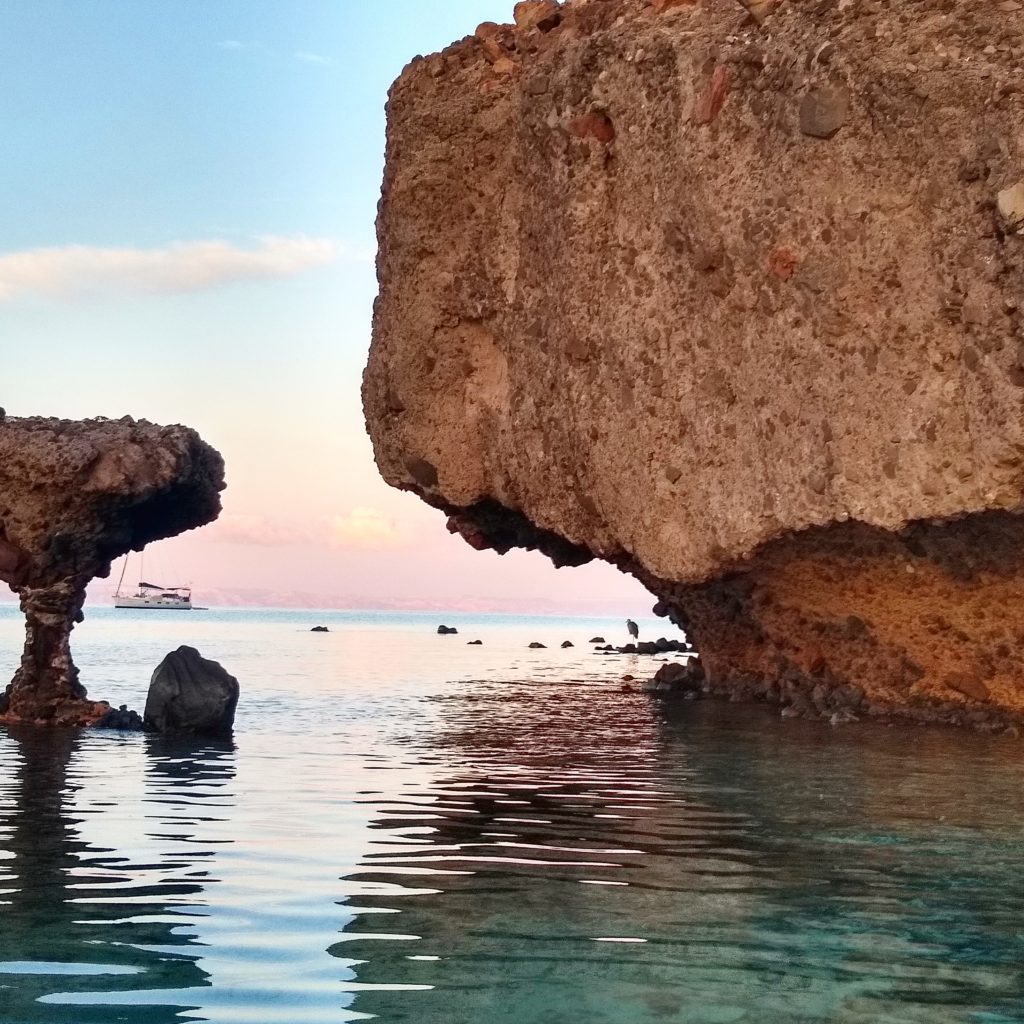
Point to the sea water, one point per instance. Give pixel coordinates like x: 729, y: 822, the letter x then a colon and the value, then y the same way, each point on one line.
x: 408, y: 828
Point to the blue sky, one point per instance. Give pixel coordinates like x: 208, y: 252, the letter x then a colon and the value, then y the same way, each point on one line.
x: 188, y: 191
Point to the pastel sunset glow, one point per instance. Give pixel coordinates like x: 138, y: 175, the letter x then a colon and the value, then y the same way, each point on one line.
x: 189, y: 238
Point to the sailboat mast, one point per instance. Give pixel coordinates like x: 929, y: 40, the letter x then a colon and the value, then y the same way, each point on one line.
x: 117, y: 593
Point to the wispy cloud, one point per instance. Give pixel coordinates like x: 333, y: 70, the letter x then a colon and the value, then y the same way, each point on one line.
x: 253, y: 46
x: 241, y: 44
x: 80, y: 271
x: 311, y: 58
x: 366, y: 528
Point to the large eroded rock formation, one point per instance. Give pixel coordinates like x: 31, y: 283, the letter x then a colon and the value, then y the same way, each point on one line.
x: 734, y: 302
x: 73, y: 497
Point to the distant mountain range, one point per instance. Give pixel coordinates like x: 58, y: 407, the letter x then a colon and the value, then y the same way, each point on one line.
x: 101, y: 592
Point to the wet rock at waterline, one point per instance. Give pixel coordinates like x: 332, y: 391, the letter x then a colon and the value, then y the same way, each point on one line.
x: 675, y: 677
x: 446, y: 631
x: 659, y: 646
x: 730, y: 298
x: 319, y: 629
x: 75, y: 495
x: 121, y: 719
x: 191, y: 694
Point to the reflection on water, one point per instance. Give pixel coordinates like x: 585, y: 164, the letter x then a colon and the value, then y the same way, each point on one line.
x: 699, y: 864
x: 71, y: 908
x: 392, y: 839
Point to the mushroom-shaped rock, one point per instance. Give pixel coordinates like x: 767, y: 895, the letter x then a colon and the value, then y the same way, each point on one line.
x: 736, y: 307
x: 73, y: 497
x: 191, y: 694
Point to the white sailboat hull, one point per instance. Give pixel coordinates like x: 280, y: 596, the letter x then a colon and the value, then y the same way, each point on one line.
x: 157, y: 602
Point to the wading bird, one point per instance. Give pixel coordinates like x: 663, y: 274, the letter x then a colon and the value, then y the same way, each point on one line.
x: 633, y: 629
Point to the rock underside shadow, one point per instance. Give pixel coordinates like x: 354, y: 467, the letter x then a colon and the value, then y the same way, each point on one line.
x: 730, y: 296
x: 73, y: 497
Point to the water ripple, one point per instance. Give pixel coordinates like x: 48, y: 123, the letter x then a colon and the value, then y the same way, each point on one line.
x: 396, y: 838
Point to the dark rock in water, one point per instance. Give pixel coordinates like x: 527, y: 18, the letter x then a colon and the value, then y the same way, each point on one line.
x: 121, y: 719
x: 475, y: 643
x: 446, y: 631
x: 191, y: 694
x: 319, y: 629
x: 567, y: 643
x: 674, y: 677
x: 597, y: 639
x: 659, y: 646
x: 538, y: 647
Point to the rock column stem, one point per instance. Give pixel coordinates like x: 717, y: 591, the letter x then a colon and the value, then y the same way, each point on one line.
x: 46, y: 688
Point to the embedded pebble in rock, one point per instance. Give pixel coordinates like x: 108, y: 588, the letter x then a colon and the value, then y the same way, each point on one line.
x: 823, y: 111
x: 1011, y: 206
x: 756, y: 338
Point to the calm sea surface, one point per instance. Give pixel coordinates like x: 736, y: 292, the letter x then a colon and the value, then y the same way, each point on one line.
x: 408, y: 828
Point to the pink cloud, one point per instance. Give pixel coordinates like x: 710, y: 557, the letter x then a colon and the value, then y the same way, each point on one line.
x: 253, y: 529
x: 366, y: 528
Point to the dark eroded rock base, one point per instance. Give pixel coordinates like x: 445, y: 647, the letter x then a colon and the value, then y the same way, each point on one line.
x: 926, y: 625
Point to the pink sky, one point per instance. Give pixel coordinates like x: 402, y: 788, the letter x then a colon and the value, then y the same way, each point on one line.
x: 189, y: 238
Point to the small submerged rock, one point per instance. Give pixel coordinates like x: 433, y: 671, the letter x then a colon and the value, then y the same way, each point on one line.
x: 319, y: 629
x: 475, y: 643
x: 659, y: 646
x: 597, y: 640
x: 567, y: 643
x: 676, y: 677
x: 121, y: 719
x: 446, y: 631
x: 535, y: 646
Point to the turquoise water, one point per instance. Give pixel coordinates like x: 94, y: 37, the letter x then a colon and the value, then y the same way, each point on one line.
x: 407, y: 828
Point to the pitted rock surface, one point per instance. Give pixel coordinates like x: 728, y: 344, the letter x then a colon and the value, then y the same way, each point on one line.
x: 688, y: 286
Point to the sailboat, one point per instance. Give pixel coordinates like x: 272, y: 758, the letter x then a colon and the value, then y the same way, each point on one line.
x: 152, y: 595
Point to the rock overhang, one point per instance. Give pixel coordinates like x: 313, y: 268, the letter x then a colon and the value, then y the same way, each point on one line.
x: 676, y: 285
